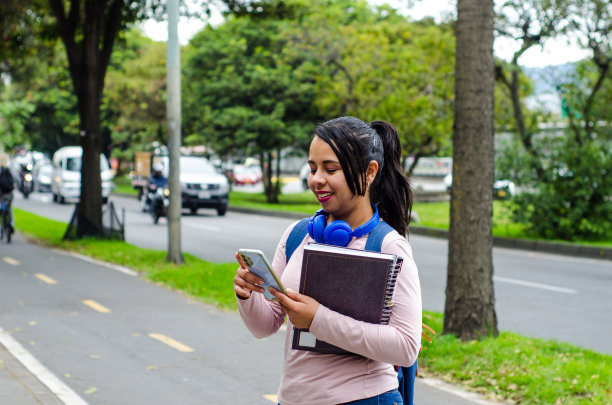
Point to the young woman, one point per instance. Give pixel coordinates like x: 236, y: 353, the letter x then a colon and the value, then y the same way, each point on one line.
x: 353, y: 165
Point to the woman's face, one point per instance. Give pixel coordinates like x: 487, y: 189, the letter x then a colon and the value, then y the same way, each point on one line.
x: 327, y: 181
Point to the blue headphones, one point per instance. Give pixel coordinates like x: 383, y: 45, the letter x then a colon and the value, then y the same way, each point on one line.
x: 338, y: 233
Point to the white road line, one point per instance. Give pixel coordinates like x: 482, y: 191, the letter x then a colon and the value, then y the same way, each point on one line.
x: 270, y: 397
x: 204, y: 227
x: 11, y: 261
x: 535, y: 285
x: 121, y: 269
x: 61, y: 390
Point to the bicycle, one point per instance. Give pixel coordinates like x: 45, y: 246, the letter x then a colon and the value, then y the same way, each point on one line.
x: 6, y: 221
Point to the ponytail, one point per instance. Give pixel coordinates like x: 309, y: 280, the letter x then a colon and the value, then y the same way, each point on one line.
x: 356, y: 144
x: 391, y: 191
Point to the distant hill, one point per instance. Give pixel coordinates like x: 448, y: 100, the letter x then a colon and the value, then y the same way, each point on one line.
x: 546, y: 79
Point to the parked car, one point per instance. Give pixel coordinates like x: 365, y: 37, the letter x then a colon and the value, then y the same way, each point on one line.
x: 202, y: 186
x: 66, y: 181
x: 241, y: 174
x: 503, y: 189
x: 42, y: 174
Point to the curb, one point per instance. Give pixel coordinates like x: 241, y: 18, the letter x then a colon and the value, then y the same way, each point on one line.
x: 566, y: 249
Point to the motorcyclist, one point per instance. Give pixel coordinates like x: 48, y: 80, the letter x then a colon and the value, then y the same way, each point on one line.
x: 7, y: 184
x: 155, y: 180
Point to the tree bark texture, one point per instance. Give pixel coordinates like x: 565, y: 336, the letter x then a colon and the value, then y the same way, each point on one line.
x: 470, y: 301
x: 88, y: 30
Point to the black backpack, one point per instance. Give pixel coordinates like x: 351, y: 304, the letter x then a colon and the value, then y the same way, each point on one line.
x: 7, y: 183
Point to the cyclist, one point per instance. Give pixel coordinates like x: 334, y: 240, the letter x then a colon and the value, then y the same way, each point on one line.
x: 7, y: 184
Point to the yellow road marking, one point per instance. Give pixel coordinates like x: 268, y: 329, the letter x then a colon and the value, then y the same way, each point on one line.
x: 273, y: 398
x: 171, y: 342
x: 45, y: 279
x: 11, y: 261
x: 96, y: 307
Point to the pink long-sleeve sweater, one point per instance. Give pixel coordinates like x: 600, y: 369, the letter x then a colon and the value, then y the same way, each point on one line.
x: 324, y: 379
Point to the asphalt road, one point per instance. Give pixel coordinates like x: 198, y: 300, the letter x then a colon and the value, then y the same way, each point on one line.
x: 537, y: 294
x: 115, y: 357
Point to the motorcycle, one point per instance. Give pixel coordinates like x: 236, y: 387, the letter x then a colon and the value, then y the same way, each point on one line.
x: 159, y: 203
x: 26, y: 184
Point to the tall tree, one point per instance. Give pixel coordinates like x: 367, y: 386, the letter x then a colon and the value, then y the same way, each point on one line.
x: 88, y: 30
x: 470, y: 301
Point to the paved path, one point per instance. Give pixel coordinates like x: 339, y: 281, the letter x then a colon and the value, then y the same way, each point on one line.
x: 58, y: 334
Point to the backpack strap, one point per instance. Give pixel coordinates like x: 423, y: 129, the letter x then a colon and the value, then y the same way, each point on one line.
x: 297, y: 235
x: 299, y: 231
x: 375, y: 239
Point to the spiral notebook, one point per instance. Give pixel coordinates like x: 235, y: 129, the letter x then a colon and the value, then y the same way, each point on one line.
x: 355, y: 283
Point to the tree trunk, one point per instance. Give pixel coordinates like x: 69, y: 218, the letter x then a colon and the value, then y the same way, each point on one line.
x: 470, y: 303
x: 88, y: 31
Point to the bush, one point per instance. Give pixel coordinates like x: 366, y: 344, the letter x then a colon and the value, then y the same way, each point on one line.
x: 574, y: 199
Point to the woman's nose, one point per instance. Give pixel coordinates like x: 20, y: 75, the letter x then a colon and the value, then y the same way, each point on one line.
x: 317, y: 177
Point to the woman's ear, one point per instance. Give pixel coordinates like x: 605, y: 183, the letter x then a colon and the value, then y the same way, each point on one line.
x: 371, y: 171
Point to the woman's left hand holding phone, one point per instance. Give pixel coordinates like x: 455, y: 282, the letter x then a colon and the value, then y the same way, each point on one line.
x: 245, y: 281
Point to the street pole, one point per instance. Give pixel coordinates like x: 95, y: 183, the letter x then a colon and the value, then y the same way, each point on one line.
x: 173, y: 113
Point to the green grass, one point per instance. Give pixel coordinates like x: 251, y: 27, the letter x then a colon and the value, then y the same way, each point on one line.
x: 210, y: 282
x: 510, y: 367
x: 124, y: 186
x: 430, y: 214
x: 518, y: 369
x: 304, y: 202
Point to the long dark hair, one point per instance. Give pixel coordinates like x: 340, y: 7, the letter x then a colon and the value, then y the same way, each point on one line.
x: 356, y: 144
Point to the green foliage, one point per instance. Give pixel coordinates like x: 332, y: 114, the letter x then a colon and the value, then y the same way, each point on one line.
x: 239, y: 95
x: 374, y: 64
x: 573, y: 203
x: 134, y: 103
x: 13, y: 117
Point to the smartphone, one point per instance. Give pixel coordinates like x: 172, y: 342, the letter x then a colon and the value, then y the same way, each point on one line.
x: 256, y: 262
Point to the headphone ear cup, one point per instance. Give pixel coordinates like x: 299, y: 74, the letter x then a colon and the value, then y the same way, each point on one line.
x: 338, y: 233
x: 315, y: 228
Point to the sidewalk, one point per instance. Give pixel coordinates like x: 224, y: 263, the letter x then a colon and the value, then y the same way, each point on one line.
x: 18, y: 386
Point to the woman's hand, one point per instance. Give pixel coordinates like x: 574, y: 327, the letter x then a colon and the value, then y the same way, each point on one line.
x: 300, y: 308
x: 245, y: 281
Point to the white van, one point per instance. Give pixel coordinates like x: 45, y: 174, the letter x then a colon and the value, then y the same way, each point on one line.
x: 66, y: 181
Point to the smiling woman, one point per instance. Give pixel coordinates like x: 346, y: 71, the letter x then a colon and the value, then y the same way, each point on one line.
x: 355, y: 174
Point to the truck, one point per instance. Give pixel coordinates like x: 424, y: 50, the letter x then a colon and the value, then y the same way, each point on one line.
x: 142, y: 170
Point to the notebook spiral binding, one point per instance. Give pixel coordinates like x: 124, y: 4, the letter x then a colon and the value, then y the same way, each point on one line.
x: 388, y: 299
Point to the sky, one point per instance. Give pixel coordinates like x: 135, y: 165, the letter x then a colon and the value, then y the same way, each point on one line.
x: 553, y: 53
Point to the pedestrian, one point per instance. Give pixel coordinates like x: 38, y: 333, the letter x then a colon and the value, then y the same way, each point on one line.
x: 7, y: 184
x: 352, y: 166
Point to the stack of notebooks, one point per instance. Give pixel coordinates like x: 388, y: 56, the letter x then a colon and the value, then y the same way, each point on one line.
x: 355, y: 283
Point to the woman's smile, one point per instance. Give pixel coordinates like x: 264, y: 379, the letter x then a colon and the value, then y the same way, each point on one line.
x: 324, y: 196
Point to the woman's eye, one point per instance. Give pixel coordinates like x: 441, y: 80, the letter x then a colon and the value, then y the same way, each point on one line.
x: 330, y: 171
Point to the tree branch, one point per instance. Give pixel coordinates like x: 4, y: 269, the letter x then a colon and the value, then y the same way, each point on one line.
x: 112, y: 26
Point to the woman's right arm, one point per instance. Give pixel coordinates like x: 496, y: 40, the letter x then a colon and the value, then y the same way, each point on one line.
x: 262, y: 317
